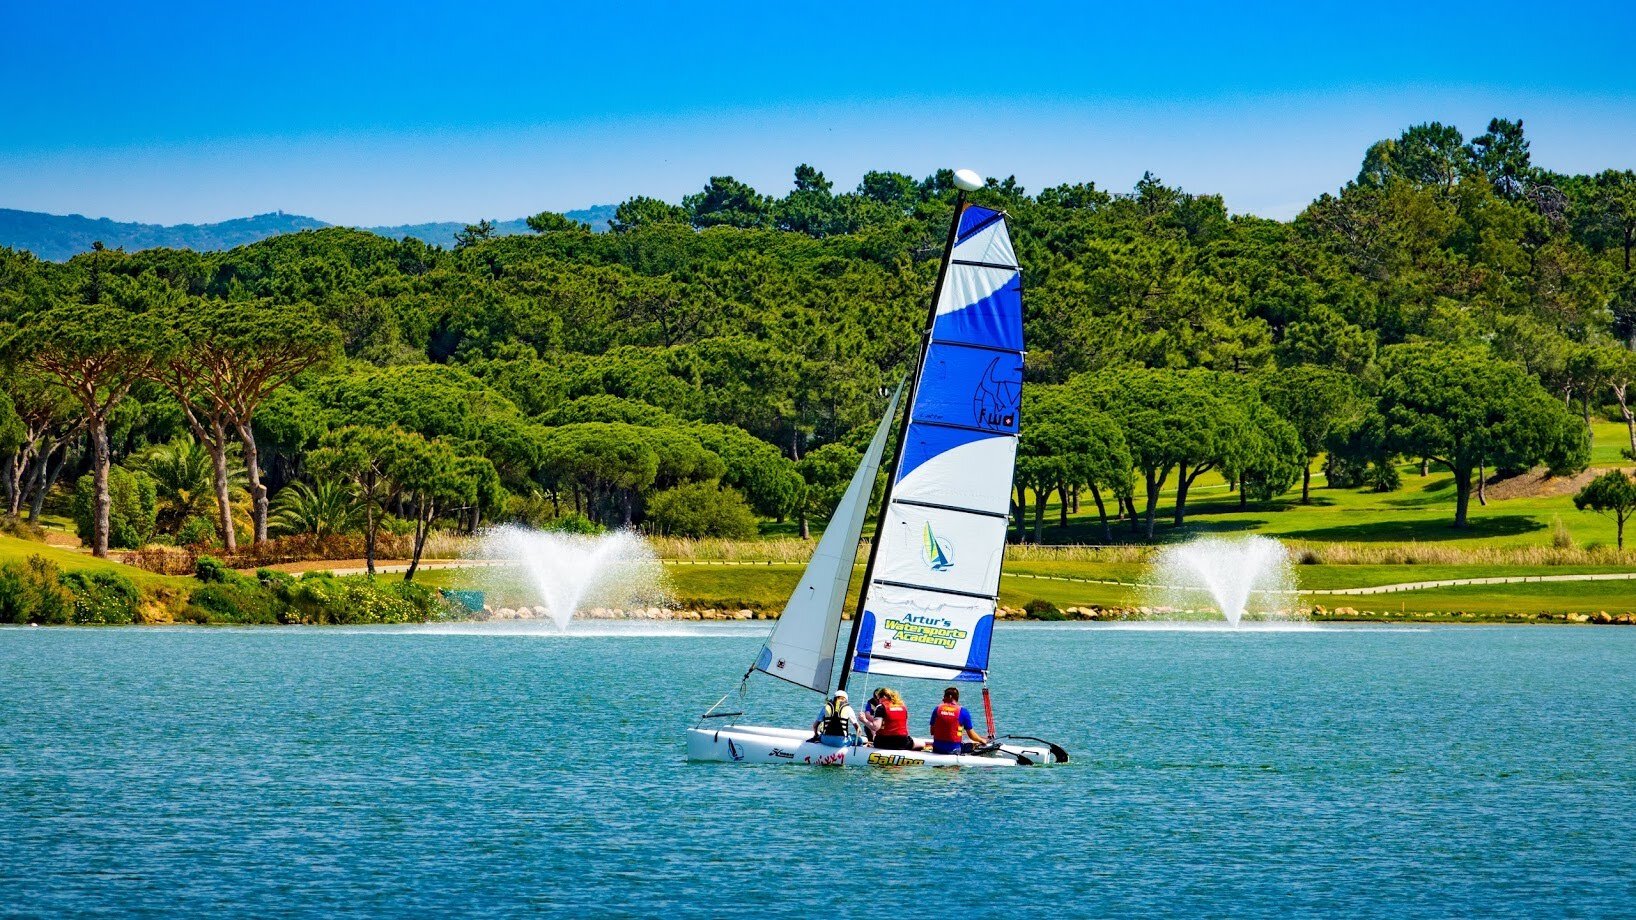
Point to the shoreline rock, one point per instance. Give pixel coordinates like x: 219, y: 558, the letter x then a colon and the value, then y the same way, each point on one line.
x: 1084, y: 613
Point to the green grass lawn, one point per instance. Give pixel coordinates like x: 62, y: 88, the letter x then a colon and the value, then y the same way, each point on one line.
x: 1615, y: 597
x: 1421, y: 511
x: 14, y: 549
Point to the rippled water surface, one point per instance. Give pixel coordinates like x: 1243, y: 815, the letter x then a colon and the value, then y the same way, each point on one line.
x: 1362, y: 772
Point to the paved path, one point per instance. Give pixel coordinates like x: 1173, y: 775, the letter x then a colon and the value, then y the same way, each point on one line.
x: 1373, y: 589
x: 1504, y: 580
x: 395, y: 568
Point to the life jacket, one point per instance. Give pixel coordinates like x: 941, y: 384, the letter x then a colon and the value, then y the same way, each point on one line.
x: 894, y: 719
x: 946, y: 722
x: 835, y: 720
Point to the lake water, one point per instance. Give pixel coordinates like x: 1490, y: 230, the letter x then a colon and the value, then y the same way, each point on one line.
x: 1364, y: 772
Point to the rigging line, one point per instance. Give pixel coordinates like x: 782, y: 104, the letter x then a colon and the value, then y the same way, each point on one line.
x: 1004, y: 516
x: 959, y: 669
x: 904, y: 584
x: 973, y: 263
x: 995, y: 432
x: 956, y: 343
x: 723, y: 699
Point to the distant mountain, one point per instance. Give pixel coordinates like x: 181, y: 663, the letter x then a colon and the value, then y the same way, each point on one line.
x: 57, y: 237
x: 442, y: 233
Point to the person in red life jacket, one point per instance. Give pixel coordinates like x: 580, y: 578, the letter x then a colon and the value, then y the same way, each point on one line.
x: 951, y: 726
x: 892, y: 732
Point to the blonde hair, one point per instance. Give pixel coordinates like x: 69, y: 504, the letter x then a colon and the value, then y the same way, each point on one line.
x: 892, y: 695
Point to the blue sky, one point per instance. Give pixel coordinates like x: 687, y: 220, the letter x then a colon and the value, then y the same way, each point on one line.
x: 399, y: 112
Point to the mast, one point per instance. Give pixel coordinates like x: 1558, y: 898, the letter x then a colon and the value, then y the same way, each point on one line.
x: 903, y: 432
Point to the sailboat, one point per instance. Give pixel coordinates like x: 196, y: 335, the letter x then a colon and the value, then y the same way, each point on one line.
x: 932, y: 577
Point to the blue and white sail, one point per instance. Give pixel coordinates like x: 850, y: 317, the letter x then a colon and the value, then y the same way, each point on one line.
x: 928, y: 609
x: 801, y: 648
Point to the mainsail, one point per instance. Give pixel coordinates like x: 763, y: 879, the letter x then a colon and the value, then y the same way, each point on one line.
x: 928, y: 605
x: 801, y: 649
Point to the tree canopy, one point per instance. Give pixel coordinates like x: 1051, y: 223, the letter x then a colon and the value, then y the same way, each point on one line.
x: 731, y: 349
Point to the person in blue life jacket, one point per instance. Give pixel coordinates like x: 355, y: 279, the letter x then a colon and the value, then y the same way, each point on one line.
x: 951, y: 726
x: 837, y: 723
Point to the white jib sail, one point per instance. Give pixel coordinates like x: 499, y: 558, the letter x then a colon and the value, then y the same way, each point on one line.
x: 801, y: 649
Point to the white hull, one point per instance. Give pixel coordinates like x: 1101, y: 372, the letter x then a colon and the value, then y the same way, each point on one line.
x: 759, y: 744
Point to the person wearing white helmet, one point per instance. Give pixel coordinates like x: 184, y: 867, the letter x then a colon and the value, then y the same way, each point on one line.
x: 837, y: 723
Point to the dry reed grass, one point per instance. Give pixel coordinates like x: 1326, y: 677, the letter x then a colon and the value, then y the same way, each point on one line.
x: 1445, y: 554
x: 796, y: 551
x: 1028, y: 552
x: 789, y: 550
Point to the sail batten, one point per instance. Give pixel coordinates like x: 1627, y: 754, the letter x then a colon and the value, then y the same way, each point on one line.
x: 801, y: 648
x: 928, y: 607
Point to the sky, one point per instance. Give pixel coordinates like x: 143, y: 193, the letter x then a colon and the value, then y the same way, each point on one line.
x: 386, y: 113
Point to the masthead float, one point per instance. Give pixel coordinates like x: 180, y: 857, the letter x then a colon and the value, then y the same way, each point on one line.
x: 932, y: 578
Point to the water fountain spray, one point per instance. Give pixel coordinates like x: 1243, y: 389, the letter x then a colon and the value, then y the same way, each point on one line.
x: 1237, y: 575
x: 567, y: 572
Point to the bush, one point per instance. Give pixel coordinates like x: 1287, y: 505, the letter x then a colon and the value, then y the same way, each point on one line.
x: 1383, y: 476
x: 163, y: 560
x: 1040, y: 609
x: 240, y: 600
x: 133, y: 510
x: 211, y: 570
x: 102, y: 598
x: 17, y: 527
x: 700, y: 509
x: 1344, y: 472
x: 325, y: 599
x: 196, y: 531
x: 32, y: 592
x: 573, y: 522
x: 274, y: 581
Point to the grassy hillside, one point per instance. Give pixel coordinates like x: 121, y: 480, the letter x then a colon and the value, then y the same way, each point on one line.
x: 1421, y: 511
x: 13, y: 549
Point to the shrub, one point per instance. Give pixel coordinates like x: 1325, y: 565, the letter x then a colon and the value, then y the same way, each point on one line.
x: 102, y: 598
x: 700, y: 509
x: 196, y: 531
x: 304, y: 547
x: 1342, y: 471
x: 32, y: 592
x: 322, y: 598
x: 1382, y: 476
x: 211, y: 570
x: 1561, y: 537
x: 573, y: 522
x: 163, y: 560
x: 133, y: 510
x: 17, y: 527
x: 240, y: 600
x: 274, y: 581
x: 1041, y: 609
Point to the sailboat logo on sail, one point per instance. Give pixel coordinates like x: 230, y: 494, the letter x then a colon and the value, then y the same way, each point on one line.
x: 938, y: 553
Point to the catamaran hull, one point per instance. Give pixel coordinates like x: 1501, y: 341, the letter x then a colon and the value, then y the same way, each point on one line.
x: 757, y: 744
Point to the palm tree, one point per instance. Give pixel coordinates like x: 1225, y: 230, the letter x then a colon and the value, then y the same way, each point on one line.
x: 324, y: 509
x: 183, y: 477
